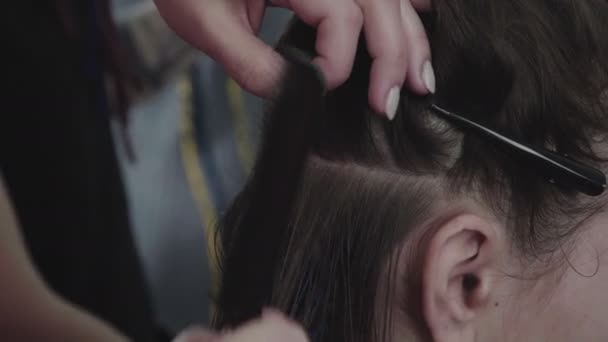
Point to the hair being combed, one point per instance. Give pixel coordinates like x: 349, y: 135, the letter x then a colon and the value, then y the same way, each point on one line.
x: 314, y: 231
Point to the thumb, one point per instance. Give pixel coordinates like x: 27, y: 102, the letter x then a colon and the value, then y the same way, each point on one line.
x: 254, y: 65
x: 224, y: 30
x: 197, y: 334
x: 273, y: 326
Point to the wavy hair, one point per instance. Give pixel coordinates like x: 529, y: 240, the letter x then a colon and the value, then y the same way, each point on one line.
x: 336, y: 189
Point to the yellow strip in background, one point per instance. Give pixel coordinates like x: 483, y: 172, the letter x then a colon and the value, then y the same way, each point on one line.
x: 195, y: 173
x: 236, y: 101
x: 197, y: 178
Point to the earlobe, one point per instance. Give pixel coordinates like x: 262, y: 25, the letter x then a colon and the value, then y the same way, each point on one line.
x: 456, y: 276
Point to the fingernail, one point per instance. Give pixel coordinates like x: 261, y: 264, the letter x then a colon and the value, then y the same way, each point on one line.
x: 428, y: 76
x: 392, y: 102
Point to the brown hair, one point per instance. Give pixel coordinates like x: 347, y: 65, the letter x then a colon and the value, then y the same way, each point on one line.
x: 336, y: 189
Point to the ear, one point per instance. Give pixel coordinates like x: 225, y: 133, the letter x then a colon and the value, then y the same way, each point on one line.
x: 456, y: 282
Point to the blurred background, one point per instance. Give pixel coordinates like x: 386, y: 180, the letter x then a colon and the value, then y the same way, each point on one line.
x: 193, y: 133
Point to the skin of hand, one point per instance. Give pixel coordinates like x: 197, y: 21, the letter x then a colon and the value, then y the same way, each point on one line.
x: 272, y: 326
x: 29, y: 309
x: 226, y: 31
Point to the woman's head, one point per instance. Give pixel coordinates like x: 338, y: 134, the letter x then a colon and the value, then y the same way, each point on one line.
x: 417, y: 229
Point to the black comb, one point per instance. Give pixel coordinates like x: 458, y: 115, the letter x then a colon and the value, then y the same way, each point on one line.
x: 478, y: 84
x: 558, y: 169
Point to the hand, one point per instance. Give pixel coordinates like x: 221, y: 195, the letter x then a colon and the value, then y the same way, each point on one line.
x: 272, y: 327
x: 226, y: 29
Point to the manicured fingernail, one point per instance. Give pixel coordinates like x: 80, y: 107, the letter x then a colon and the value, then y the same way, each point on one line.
x: 392, y: 102
x: 428, y: 76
